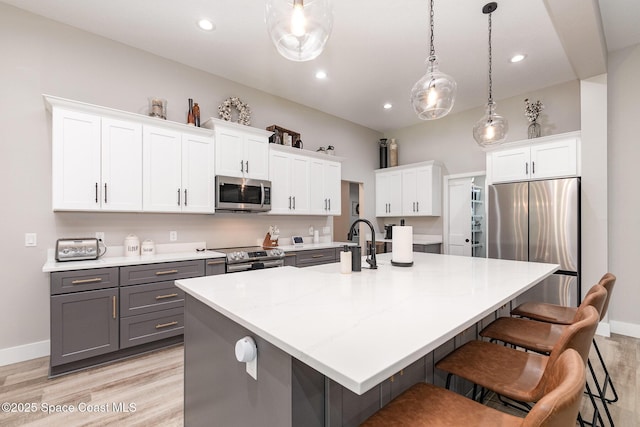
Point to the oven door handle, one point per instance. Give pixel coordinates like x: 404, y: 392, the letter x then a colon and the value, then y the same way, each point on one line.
x: 261, y: 195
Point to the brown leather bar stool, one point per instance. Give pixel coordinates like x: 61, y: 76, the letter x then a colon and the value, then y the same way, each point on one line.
x: 564, y: 315
x: 518, y: 375
x: 541, y: 337
x: 429, y: 405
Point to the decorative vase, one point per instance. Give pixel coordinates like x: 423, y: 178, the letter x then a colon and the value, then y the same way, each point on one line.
x: 393, y: 153
x: 534, y: 130
x: 384, y: 153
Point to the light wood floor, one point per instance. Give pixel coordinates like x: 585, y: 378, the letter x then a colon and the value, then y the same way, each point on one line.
x: 154, y: 384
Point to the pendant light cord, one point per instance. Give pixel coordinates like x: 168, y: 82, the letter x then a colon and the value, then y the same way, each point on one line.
x: 432, y: 50
x: 490, y: 60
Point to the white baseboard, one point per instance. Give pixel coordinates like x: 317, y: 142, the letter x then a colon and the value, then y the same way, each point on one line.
x: 623, y: 328
x: 604, y: 329
x: 25, y: 352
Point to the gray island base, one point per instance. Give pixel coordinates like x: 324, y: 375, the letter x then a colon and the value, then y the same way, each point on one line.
x: 323, y: 369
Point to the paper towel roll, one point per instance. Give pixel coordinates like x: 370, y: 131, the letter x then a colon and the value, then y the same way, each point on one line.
x: 402, y: 246
x: 345, y: 262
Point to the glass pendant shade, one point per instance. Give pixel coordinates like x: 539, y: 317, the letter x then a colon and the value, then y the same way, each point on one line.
x: 299, y: 29
x: 432, y: 97
x: 491, y: 129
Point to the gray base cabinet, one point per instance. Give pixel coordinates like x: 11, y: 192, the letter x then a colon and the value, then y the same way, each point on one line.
x: 103, y: 314
x: 83, y: 325
x: 315, y: 257
x: 431, y: 249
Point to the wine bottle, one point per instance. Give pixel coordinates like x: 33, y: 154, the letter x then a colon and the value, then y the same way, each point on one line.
x: 190, y: 119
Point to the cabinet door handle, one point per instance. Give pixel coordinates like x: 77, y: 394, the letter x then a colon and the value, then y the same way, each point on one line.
x: 241, y: 166
x: 414, y: 206
x: 247, y: 168
x: 105, y: 193
x: 178, y: 197
x: 165, y: 272
x: 166, y: 296
x: 294, y: 203
x: 289, y: 202
x: 82, y: 281
x: 329, y: 204
x: 164, y: 325
x: 113, y: 306
x: 526, y: 168
x: 325, y: 204
x: 96, y: 192
x: 185, y: 197
x: 533, y: 168
x: 417, y: 206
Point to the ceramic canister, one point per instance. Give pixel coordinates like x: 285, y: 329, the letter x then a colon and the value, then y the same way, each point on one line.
x: 131, y: 245
x: 148, y: 247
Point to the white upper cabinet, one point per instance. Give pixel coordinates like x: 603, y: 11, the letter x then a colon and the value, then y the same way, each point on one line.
x: 304, y: 182
x: 178, y: 172
x: 289, y: 175
x: 110, y: 160
x: 554, y: 156
x: 162, y: 153
x: 240, y: 151
x: 76, y: 177
x: 409, y: 190
x: 325, y: 178
x: 97, y: 163
x: 388, y: 193
x: 121, y: 165
x: 421, y: 193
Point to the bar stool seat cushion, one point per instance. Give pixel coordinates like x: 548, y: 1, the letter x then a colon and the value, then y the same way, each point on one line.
x: 546, y: 312
x: 432, y: 406
x: 514, y: 374
x: 529, y: 334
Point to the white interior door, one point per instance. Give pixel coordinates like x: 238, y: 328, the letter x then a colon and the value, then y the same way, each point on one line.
x: 459, y: 230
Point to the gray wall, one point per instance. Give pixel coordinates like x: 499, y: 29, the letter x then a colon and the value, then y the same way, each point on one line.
x: 624, y: 197
x: 41, y: 56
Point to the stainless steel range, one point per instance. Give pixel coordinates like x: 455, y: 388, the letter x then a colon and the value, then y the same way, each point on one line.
x: 252, y: 258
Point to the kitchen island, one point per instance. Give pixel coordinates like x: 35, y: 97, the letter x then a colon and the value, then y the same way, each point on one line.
x: 328, y: 342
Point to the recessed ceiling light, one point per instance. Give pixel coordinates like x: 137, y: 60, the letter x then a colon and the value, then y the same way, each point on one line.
x: 321, y: 75
x: 387, y: 106
x: 206, y: 25
x: 517, y: 57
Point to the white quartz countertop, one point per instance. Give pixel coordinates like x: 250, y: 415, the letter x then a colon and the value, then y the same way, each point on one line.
x: 118, y: 261
x: 359, y: 329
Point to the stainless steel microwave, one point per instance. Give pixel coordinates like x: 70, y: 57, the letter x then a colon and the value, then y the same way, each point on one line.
x: 242, y: 194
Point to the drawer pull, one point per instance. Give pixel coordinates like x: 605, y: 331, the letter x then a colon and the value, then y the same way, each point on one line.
x: 163, y: 273
x: 82, y: 281
x: 113, y: 305
x: 215, y: 262
x: 165, y: 325
x: 166, y: 296
x: 317, y: 256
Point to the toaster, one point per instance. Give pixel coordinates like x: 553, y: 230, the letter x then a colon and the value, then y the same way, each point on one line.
x: 76, y: 249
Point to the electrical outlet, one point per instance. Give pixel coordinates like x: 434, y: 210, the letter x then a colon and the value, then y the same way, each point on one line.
x: 100, y: 235
x: 311, y: 230
x: 326, y: 230
x: 30, y: 239
x: 173, y: 236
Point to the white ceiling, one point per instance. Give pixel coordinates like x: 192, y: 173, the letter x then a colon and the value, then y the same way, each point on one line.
x: 374, y: 55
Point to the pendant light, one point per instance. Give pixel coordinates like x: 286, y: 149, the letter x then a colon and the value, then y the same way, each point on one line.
x: 492, y: 128
x: 432, y: 97
x: 299, y: 28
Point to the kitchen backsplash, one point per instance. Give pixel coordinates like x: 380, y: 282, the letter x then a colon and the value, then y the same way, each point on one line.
x: 218, y: 231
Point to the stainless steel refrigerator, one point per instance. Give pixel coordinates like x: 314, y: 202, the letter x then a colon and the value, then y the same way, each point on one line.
x: 539, y: 221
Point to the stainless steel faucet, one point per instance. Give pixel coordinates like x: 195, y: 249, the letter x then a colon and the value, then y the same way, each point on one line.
x: 371, y: 258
